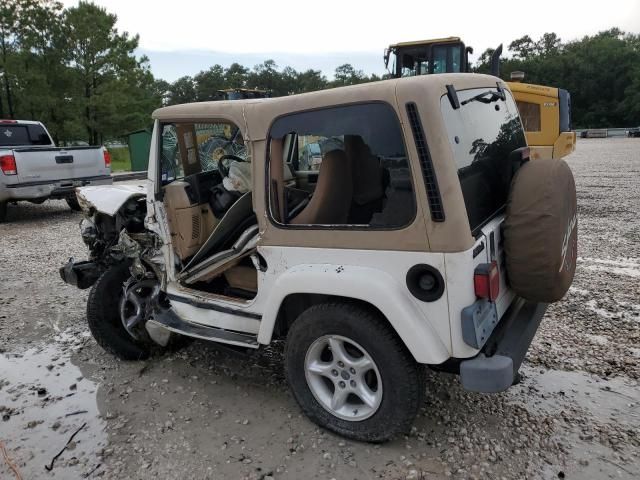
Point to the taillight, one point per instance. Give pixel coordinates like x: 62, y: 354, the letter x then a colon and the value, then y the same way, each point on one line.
x: 107, y: 157
x: 8, y: 165
x: 486, y: 281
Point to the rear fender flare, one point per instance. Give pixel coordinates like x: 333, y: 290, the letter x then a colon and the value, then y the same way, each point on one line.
x: 362, y: 283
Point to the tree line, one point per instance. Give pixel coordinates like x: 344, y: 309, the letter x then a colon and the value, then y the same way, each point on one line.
x: 73, y: 70
x: 266, y: 76
x: 602, y: 73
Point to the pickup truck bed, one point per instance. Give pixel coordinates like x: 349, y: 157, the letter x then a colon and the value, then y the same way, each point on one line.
x: 40, y: 170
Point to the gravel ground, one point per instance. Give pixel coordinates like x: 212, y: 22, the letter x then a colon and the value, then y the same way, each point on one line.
x: 212, y: 412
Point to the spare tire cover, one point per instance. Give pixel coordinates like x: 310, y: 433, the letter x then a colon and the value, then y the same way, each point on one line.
x: 541, y: 230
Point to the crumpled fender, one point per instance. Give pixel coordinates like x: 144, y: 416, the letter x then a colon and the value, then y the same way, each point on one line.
x: 108, y: 199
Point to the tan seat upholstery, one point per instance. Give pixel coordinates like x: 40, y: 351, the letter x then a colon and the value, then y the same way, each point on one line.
x: 242, y: 277
x: 367, y: 171
x: 332, y: 196
x: 190, y: 224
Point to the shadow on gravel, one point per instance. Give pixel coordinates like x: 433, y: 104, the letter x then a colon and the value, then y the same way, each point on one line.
x: 24, y: 212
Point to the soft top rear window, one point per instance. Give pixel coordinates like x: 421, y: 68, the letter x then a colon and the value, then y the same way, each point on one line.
x: 23, y: 135
x: 482, y: 136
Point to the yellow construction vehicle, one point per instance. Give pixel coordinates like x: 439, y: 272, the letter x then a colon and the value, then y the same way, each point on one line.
x: 545, y: 111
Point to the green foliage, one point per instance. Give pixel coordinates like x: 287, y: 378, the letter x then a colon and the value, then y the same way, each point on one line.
x: 602, y: 73
x: 120, y: 159
x: 71, y: 69
x: 207, y: 84
x: 74, y: 71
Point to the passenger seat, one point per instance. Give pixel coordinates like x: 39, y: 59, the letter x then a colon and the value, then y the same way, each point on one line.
x: 332, y: 196
x: 190, y: 223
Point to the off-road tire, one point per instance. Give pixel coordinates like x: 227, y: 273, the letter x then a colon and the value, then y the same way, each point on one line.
x: 403, y: 379
x: 103, y: 316
x: 3, y: 211
x: 73, y: 203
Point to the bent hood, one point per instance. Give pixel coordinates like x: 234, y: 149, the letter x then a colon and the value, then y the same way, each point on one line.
x: 109, y: 199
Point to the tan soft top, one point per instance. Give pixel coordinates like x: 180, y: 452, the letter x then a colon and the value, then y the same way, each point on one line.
x: 255, y: 117
x: 434, y: 84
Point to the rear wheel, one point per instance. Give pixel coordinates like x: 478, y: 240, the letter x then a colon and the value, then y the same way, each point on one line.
x: 73, y: 203
x: 3, y: 211
x: 351, y: 374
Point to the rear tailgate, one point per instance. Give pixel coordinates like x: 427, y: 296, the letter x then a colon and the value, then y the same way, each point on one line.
x: 486, y: 136
x: 51, y: 164
x: 492, y: 237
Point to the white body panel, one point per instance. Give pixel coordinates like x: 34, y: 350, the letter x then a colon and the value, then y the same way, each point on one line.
x: 208, y: 317
x: 372, y: 276
x: 109, y: 199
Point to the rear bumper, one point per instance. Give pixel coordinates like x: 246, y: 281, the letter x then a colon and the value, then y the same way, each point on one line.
x: 49, y: 189
x: 495, y: 367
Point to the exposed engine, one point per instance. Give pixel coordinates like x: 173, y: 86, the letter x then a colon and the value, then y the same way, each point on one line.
x: 112, y: 240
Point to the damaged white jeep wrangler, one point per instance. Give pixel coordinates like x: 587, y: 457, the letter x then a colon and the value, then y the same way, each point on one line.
x: 418, y: 235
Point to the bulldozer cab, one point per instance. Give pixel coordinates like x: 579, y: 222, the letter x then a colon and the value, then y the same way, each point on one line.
x: 441, y: 55
x: 545, y: 111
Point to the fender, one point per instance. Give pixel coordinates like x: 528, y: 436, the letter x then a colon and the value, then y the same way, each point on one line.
x: 109, y: 199
x: 367, y: 284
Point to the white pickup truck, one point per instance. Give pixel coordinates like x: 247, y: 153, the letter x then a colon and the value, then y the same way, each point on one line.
x: 32, y: 168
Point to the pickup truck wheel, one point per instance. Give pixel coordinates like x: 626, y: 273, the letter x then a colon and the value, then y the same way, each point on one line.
x: 351, y: 374
x: 73, y: 203
x: 3, y: 211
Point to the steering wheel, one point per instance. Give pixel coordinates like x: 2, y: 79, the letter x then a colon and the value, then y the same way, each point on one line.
x: 224, y: 170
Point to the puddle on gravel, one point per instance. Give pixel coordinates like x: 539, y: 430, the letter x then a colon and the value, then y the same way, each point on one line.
x: 613, y: 400
x: 607, y: 401
x: 44, y: 399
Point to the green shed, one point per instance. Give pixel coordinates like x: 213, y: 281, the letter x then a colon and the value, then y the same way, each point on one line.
x: 139, y: 146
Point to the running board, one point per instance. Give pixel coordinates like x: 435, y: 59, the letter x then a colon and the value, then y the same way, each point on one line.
x: 169, y: 320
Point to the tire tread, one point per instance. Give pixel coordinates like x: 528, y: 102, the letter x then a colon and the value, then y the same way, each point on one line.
x: 413, y: 392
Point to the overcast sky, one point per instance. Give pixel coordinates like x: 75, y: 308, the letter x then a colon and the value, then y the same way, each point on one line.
x: 324, y: 34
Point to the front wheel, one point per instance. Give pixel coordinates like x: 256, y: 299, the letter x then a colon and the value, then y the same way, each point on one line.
x: 117, y: 310
x: 351, y: 374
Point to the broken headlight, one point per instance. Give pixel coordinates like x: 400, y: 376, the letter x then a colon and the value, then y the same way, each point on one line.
x: 89, y: 232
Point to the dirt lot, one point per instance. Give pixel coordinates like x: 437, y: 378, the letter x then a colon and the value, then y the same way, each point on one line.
x: 210, y: 412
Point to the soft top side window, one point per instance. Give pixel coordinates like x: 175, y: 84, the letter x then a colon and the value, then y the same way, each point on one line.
x: 340, y: 166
